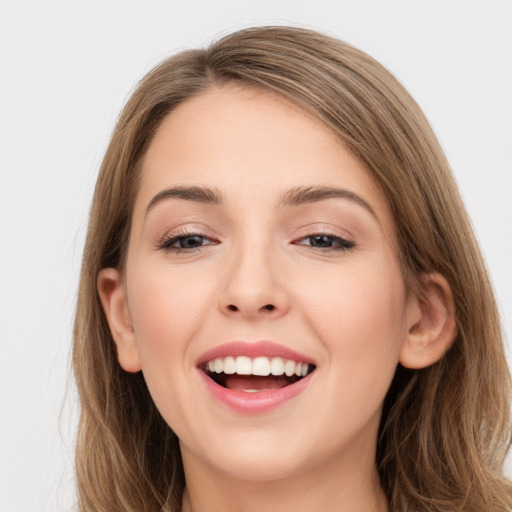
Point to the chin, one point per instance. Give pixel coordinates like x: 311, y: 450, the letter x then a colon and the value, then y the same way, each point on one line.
x: 262, y: 457
x: 252, y: 468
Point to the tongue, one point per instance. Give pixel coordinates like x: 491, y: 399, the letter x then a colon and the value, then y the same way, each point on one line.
x: 252, y: 382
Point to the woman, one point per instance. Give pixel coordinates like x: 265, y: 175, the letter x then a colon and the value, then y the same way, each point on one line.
x: 282, y: 305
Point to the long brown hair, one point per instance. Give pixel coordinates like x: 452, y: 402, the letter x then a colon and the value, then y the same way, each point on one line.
x: 445, y: 429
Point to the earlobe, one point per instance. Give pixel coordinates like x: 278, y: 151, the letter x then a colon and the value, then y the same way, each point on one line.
x: 115, y: 305
x: 431, y: 323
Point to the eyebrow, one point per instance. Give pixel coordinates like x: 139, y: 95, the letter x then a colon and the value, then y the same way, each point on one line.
x: 195, y: 193
x: 294, y: 197
x: 304, y: 195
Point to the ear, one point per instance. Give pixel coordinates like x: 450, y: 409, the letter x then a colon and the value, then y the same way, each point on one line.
x: 431, y: 323
x: 115, y: 304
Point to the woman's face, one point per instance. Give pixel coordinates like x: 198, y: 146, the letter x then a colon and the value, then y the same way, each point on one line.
x: 260, y: 244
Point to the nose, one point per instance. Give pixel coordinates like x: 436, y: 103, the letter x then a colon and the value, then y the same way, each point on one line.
x: 254, y: 285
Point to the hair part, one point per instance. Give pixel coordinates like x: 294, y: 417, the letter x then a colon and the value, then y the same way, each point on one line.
x: 445, y: 430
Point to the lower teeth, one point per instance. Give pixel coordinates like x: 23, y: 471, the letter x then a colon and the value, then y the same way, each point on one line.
x: 280, y: 382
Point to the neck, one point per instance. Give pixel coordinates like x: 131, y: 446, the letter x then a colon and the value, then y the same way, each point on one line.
x: 336, y: 486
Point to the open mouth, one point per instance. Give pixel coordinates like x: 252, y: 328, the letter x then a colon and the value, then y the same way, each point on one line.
x: 252, y: 375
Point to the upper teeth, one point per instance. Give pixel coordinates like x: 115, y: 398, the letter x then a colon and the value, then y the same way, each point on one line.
x: 243, y: 365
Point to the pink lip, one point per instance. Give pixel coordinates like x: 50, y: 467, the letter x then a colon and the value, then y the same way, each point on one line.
x: 260, y: 401
x: 252, y: 350
x: 254, y: 403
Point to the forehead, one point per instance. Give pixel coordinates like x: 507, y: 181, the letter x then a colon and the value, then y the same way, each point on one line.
x: 248, y: 143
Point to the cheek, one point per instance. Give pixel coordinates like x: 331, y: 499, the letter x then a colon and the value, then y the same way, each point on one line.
x: 166, y: 311
x: 360, y: 319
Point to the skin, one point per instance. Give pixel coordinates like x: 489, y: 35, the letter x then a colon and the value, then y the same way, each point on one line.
x: 346, y: 308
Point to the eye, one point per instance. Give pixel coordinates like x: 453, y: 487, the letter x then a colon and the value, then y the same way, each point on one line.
x: 185, y: 242
x: 326, y: 242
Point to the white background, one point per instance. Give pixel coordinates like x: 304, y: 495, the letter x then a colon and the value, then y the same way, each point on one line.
x: 66, y: 69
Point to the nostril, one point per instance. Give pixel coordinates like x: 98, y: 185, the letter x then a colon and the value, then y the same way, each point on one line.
x: 267, y: 307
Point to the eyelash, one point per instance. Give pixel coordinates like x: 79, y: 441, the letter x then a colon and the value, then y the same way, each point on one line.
x: 338, y: 243
x: 342, y: 243
x: 167, y: 244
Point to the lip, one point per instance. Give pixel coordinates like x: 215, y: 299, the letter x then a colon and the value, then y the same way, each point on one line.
x: 254, y: 403
x: 253, y: 350
x: 261, y: 401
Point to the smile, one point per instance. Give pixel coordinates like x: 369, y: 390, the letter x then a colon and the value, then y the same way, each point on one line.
x: 255, y: 375
x: 254, y: 383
